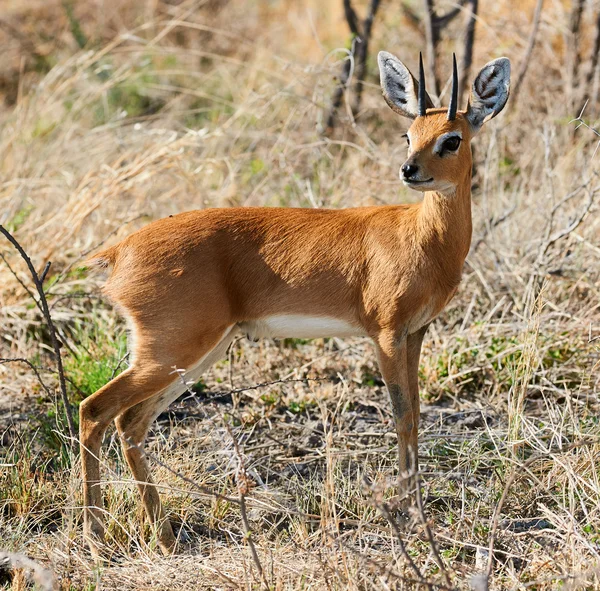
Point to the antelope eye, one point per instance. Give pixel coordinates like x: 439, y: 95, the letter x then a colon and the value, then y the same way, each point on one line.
x: 451, y: 144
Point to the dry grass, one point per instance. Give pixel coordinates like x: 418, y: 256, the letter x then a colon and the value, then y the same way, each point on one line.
x: 173, y: 107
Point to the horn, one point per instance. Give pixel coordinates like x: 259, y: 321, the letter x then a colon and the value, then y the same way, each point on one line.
x: 454, y: 98
x: 422, y: 105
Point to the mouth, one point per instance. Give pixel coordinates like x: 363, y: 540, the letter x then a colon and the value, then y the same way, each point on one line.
x: 416, y: 183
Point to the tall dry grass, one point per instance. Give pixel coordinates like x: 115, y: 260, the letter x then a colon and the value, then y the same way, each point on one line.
x: 171, y: 107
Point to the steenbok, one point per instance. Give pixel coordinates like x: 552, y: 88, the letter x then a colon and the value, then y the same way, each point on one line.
x: 187, y: 284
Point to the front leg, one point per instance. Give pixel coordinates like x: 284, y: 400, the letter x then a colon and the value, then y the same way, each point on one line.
x: 392, y: 353
x: 413, y: 355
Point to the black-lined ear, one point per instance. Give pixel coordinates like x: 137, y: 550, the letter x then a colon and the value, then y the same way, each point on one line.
x: 489, y: 92
x: 400, y: 89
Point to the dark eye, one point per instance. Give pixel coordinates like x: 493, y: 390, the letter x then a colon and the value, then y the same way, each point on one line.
x: 407, y: 139
x: 451, y: 144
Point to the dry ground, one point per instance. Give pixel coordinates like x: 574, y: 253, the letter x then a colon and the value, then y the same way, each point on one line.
x: 174, y: 106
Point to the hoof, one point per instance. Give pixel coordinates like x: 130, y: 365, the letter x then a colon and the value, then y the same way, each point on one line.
x: 97, y: 546
x: 167, y: 542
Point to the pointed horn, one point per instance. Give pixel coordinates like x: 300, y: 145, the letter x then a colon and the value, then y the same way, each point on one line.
x: 454, y: 98
x: 422, y: 106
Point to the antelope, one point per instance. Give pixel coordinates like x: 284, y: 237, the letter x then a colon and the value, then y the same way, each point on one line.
x: 187, y: 284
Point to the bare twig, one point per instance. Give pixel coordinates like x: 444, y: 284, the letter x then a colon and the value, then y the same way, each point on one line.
x: 225, y: 393
x: 355, y: 64
x: 589, y: 81
x: 432, y: 37
x: 199, y: 487
x: 581, y: 123
x: 445, y: 19
x: 493, y: 223
x: 467, y: 59
x: 362, y: 52
x: 574, y: 56
x: 33, y: 368
x: 52, y: 330
x: 527, y: 55
x: 518, y: 471
x: 21, y: 283
x: 384, y: 509
x: 428, y: 532
x: 243, y: 484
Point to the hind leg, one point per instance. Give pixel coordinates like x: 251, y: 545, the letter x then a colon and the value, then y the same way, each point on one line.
x: 133, y: 427
x: 150, y: 374
x: 96, y: 413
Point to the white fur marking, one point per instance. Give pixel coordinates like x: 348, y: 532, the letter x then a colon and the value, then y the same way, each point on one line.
x: 300, y: 327
x: 423, y: 316
x: 187, y: 378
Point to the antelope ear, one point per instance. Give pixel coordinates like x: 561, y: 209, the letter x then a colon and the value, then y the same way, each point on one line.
x: 489, y: 92
x: 400, y: 89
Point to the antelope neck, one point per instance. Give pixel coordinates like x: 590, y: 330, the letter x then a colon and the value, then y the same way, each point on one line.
x: 445, y: 221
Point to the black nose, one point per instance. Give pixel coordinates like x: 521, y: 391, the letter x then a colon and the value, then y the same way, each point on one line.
x: 409, y: 170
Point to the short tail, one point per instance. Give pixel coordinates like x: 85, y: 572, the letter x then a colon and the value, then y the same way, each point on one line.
x: 103, y: 259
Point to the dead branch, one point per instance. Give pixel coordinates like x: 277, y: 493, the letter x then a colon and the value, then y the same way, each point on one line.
x: 362, y: 52
x: 574, y: 56
x: 385, y: 510
x: 491, y: 225
x: 434, y: 25
x: 33, y: 368
x: 518, y: 471
x: 43, y: 303
x: 467, y: 59
x: 355, y: 63
x: 528, y: 51
x: 432, y: 38
x: 589, y: 81
x: 428, y: 532
x: 199, y: 487
x: 445, y: 19
x: 243, y: 484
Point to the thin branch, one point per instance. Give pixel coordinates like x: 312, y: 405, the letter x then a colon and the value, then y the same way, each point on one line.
x: 351, y: 17
x: 21, y: 283
x: 444, y: 20
x: 573, y: 41
x: 362, y: 52
x: 432, y: 37
x: 593, y: 61
x: 243, y: 484
x: 338, y: 93
x: 511, y: 480
x: 530, y: 45
x: 467, y: 59
x: 52, y: 330
x: 386, y: 512
x: 34, y: 369
x: 492, y: 224
x: 355, y: 64
x: 226, y: 393
x: 428, y: 532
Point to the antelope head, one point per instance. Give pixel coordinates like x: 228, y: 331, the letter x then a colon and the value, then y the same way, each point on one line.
x: 439, y: 140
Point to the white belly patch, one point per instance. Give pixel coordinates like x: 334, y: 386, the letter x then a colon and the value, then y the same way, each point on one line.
x: 300, y: 327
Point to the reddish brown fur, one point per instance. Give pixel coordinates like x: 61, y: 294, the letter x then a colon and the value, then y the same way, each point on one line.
x: 185, y: 280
